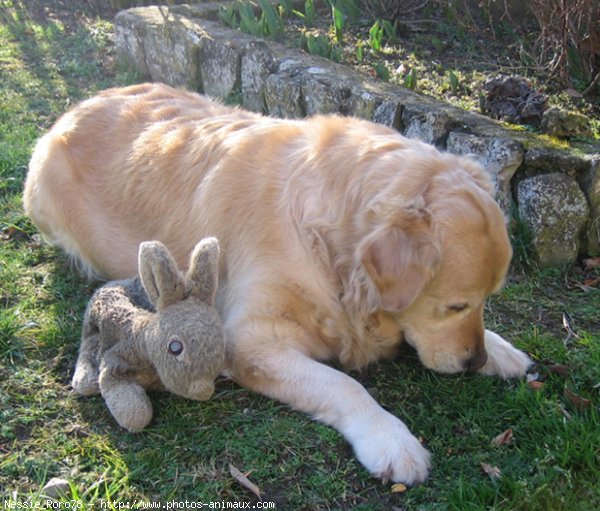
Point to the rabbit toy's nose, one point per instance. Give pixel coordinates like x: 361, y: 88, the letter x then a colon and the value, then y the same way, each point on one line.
x: 201, y: 390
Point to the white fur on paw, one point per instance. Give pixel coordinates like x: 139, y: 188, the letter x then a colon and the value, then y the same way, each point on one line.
x: 385, y: 446
x: 504, y: 359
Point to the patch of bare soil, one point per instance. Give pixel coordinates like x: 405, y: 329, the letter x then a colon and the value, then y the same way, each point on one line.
x: 431, y: 51
x: 437, y: 54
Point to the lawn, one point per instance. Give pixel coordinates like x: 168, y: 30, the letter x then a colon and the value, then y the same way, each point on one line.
x: 53, y: 54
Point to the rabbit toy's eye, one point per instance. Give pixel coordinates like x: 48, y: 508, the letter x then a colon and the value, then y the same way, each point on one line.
x: 175, y: 347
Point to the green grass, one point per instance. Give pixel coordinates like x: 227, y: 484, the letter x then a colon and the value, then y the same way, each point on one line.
x: 46, y: 431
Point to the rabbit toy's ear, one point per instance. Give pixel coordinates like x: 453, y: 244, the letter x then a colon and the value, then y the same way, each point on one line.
x: 203, y: 275
x: 159, y: 274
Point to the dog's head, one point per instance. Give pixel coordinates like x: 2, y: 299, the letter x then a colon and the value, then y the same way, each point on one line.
x: 432, y: 259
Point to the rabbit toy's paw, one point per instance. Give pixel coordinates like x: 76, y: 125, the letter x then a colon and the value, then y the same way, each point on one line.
x: 85, y: 378
x: 129, y: 405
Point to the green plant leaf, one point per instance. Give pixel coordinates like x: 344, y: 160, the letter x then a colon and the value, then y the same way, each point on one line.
x: 454, y: 82
x: 410, y: 80
x: 360, y: 54
x: 249, y: 23
x: 287, y: 6
x: 350, y: 8
x: 273, y: 25
x: 391, y: 31
x: 336, y: 52
x: 375, y: 36
x: 338, y: 23
x: 228, y: 16
x: 318, y: 45
x: 382, y: 71
x: 437, y: 43
x: 309, y: 13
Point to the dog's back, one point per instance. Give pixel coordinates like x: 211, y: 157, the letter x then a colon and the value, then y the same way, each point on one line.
x: 125, y: 147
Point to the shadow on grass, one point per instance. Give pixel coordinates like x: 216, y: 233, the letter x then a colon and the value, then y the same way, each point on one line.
x: 57, y: 54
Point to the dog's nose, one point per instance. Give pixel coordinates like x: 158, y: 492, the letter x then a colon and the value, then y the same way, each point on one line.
x: 476, y: 361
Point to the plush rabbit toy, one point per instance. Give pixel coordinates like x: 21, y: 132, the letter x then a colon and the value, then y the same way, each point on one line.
x: 157, y: 331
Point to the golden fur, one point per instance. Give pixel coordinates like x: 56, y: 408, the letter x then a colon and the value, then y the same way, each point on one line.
x: 339, y: 239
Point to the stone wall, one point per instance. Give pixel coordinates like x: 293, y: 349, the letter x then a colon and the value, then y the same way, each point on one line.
x: 556, y: 193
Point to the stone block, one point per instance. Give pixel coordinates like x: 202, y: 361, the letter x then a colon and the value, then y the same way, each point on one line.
x: 368, y: 103
x: 283, y: 92
x: 388, y: 113
x: 323, y: 91
x: 130, y: 27
x: 425, y: 124
x: 302, y: 87
x: 563, y: 123
x: 159, y: 45
x: 257, y: 63
x: 555, y: 211
x: 57, y: 488
x: 544, y: 160
x: 500, y: 157
x: 220, y: 68
x: 591, y: 188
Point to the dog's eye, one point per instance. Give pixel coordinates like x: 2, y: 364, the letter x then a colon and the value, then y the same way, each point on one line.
x: 175, y: 347
x: 457, y: 307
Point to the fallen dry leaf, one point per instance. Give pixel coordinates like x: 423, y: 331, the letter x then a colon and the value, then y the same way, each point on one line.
x: 504, y: 438
x: 492, y: 471
x: 11, y: 232
x: 241, y: 478
x: 573, y: 93
x: 579, y: 402
x: 399, y: 488
x: 561, y: 369
x: 76, y: 430
x: 535, y: 385
x: 591, y: 263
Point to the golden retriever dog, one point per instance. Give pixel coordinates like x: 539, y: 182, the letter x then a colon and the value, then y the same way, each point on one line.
x: 340, y: 239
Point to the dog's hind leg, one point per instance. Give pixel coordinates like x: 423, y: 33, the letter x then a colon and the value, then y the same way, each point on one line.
x: 70, y: 212
x: 52, y: 201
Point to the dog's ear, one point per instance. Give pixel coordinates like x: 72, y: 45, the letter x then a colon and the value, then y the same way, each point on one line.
x: 400, y: 260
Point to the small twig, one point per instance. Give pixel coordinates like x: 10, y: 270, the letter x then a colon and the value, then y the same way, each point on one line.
x: 242, y: 479
x: 589, y: 91
x: 568, y: 326
x: 415, y: 8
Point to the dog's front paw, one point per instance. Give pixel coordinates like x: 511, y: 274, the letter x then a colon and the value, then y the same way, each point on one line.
x: 504, y: 359
x: 386, y: 447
